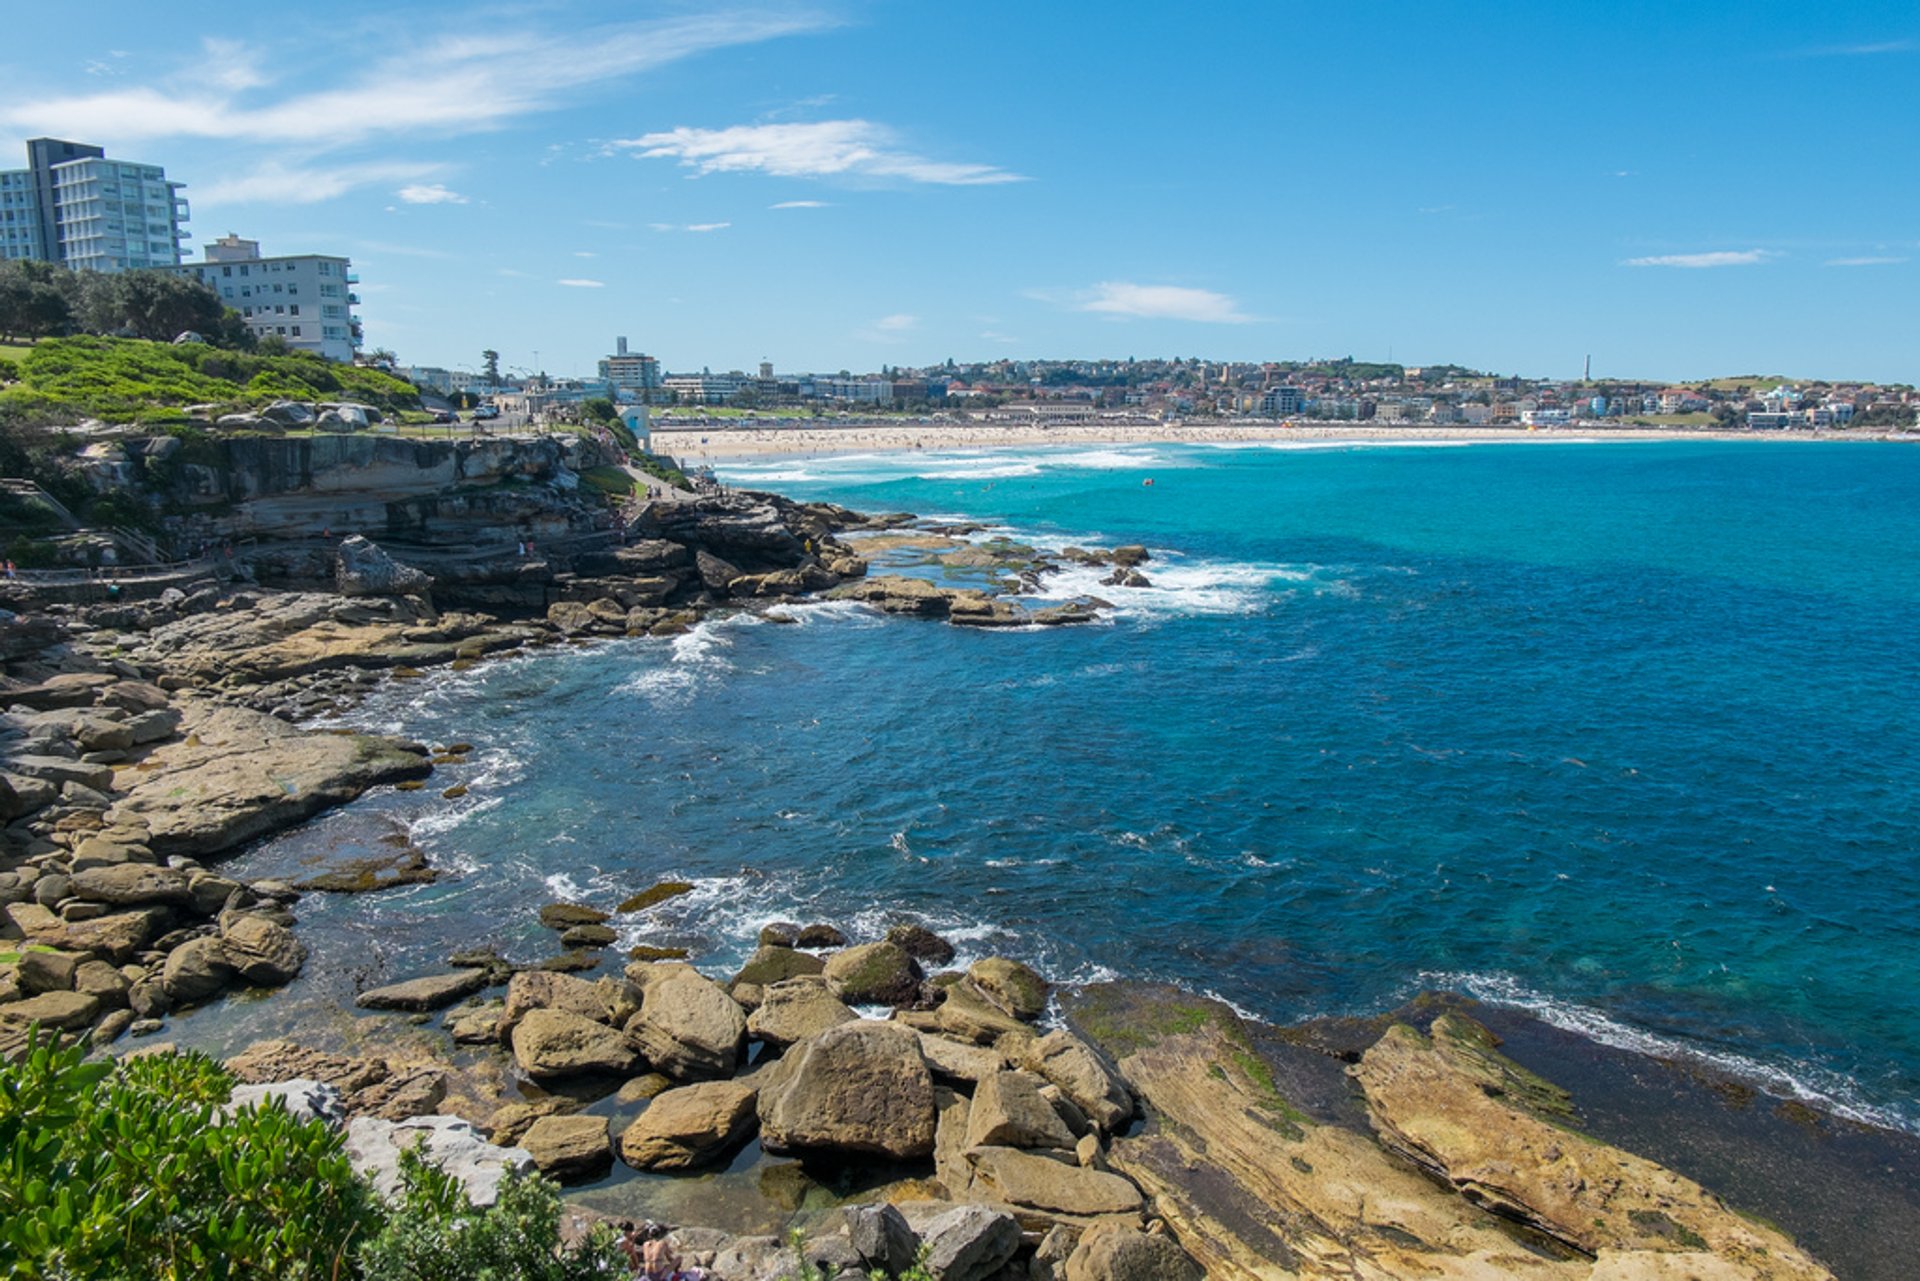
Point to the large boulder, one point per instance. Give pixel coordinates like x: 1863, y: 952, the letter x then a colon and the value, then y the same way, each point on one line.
x: 861, y: 1087
x: 1011, y: 986
x: 549, y: 1044
x: 362, y: 568
x: 68, y: 1011
x: 1010, y: 1111
x: 874, y: 974
x: 1041, y: 1183
x: 796, y: 1010
x: 568, y: 1148
x: 196, y: 970
x: 431, y: 992
x: 688, y: 1027
x: 882, y: 1237
x: 772, y: 963
x: 532, y: 990
x: 691, y: 1126
x: 1115, y: 1252
x: 1085, y: 1076
x: 264, y: 952
x: 133, y: 885
x: 921, y: 943
x: 374, y: 1146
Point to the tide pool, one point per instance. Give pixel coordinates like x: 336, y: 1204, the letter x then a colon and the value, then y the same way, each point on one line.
x: 1625, y: 733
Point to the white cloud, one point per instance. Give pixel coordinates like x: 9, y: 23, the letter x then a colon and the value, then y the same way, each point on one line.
x: 897, y: 323
x: 458, y: 84
x: 708, y: 226
x: 583, y: 284
x: 994, y: 335
x: 1864, y: 262
x: 800, y: 204
x: 1160, y: 302
x: 275, y: 183
x: 231, y: 65
x: 430, y: 193
x: 828, y: 148
x: 585, y: 253
x: 1718, y: 258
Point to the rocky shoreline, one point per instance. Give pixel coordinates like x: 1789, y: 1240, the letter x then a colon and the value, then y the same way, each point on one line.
x: 1015, y: 1131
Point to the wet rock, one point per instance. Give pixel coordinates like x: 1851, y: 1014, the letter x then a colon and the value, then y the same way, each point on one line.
x: 655, y: 895
x: 559, y: 916
x: 691, y: 1126
x: 770, y: 964
x: 432, y: 992
x: 569, y: 1148
x: 874, y: 974
x: 819, y: 937
x: 861, y: 1087
x: 587, y: 936
x: 1011, y: 986
x: 921, y: 943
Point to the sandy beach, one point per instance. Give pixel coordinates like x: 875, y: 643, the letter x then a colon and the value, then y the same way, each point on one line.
x: 710, y: 444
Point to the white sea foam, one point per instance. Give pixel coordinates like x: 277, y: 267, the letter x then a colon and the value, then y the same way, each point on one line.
x: 1808, y: 1083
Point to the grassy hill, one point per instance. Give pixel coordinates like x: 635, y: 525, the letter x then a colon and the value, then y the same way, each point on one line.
x: 62, y: 380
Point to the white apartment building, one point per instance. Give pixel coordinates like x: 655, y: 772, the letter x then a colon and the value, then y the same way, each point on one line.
x: 704, y: 389
x: 73, y: 206
x: 307, y: 299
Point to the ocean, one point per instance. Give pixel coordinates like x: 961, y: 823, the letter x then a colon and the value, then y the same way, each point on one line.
x: 1625, y: 734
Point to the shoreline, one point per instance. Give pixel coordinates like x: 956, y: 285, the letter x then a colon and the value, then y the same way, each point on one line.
x: 700, y: 445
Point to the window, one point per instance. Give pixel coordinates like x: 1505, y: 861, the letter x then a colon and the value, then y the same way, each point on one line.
x: 296, y: 331
x: 243, y: 269
x: 294, y: 310
x: 226, y: 271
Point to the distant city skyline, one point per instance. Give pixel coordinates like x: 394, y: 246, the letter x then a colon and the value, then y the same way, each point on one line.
x: 1682, y: 192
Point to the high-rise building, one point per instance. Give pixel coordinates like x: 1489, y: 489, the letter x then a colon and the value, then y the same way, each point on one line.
x: 630, y: 372
x: 73, y: 206
x: 307, y: 299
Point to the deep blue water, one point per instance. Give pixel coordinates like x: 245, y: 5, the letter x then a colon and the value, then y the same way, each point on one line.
x: 1627, y: 733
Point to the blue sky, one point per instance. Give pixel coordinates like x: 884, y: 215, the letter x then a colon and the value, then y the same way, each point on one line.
x: 1678, y: 189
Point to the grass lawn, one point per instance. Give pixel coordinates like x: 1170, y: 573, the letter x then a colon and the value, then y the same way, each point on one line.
x: 1672, y: 420
x: 14, y: 351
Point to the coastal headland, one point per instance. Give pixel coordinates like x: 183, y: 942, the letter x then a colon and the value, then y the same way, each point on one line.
x: 894, y: 1105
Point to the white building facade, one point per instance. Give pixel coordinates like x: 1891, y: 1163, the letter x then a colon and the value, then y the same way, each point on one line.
x: 307, y: 299
x: 73, y: 206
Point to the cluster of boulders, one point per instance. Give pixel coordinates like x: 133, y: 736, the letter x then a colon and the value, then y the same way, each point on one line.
x: 326, y: 415
x: 844, y: 1055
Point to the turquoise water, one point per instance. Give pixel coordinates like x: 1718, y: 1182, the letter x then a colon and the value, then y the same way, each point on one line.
x: 1626, y: 733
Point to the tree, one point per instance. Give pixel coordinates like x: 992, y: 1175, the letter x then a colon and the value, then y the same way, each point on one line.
x: 490, y: 366
x: 598, y: 409
x: 32, y: 304
x: 157, y: 305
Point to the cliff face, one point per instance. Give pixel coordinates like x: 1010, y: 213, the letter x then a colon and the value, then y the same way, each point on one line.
x: 389, y: 467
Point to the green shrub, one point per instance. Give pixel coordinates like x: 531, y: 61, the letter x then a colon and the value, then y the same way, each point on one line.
x: 433, y: 1234
x: 121, y: 1172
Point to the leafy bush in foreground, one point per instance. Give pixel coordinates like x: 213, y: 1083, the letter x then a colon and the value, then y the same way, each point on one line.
x: 126, y: 1172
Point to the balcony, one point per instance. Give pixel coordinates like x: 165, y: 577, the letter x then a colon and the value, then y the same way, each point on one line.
x: 353, y: 277
x: 353, y: 300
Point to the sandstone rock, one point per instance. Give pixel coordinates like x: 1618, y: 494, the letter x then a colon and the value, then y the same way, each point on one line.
x: 1009, y: 1111
x: 691, y: 1126
x: 688, y: 1027
x: 133, y: 884
x: 101, y: 980
x: 969, y: 1016
x: 569, y: 1148
x: 532, y: 990
x: 970, y: 1243
x: 796, y: 1010
x: 1452, y: 1104
x: 921, y: 943
x: 1042, y: 1183
x: 1011, y: 986
x: 1113, y: 1252
x: 555, y: 1043
x: 571, y: 617
x: 819, y: 936
x: 116, y: 936
x: 264, y: 953
x: 265, y: 1062
x: 196, y: 970
x: 874, y: 974
x: 511, y: 1120
x: 1085, y: 1077
x: 68, y: 1011
x: 476, y: 1025
x: 40, y: 971
x: 207, y: 893
x: 432, y: 992
x: 239, y: 774
x: 374, y: 1146
x: 587, y: 936
x: 861, y: 1087
x: 558, y: 916
x: 407, y: 1093
x: 958, y: 1061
